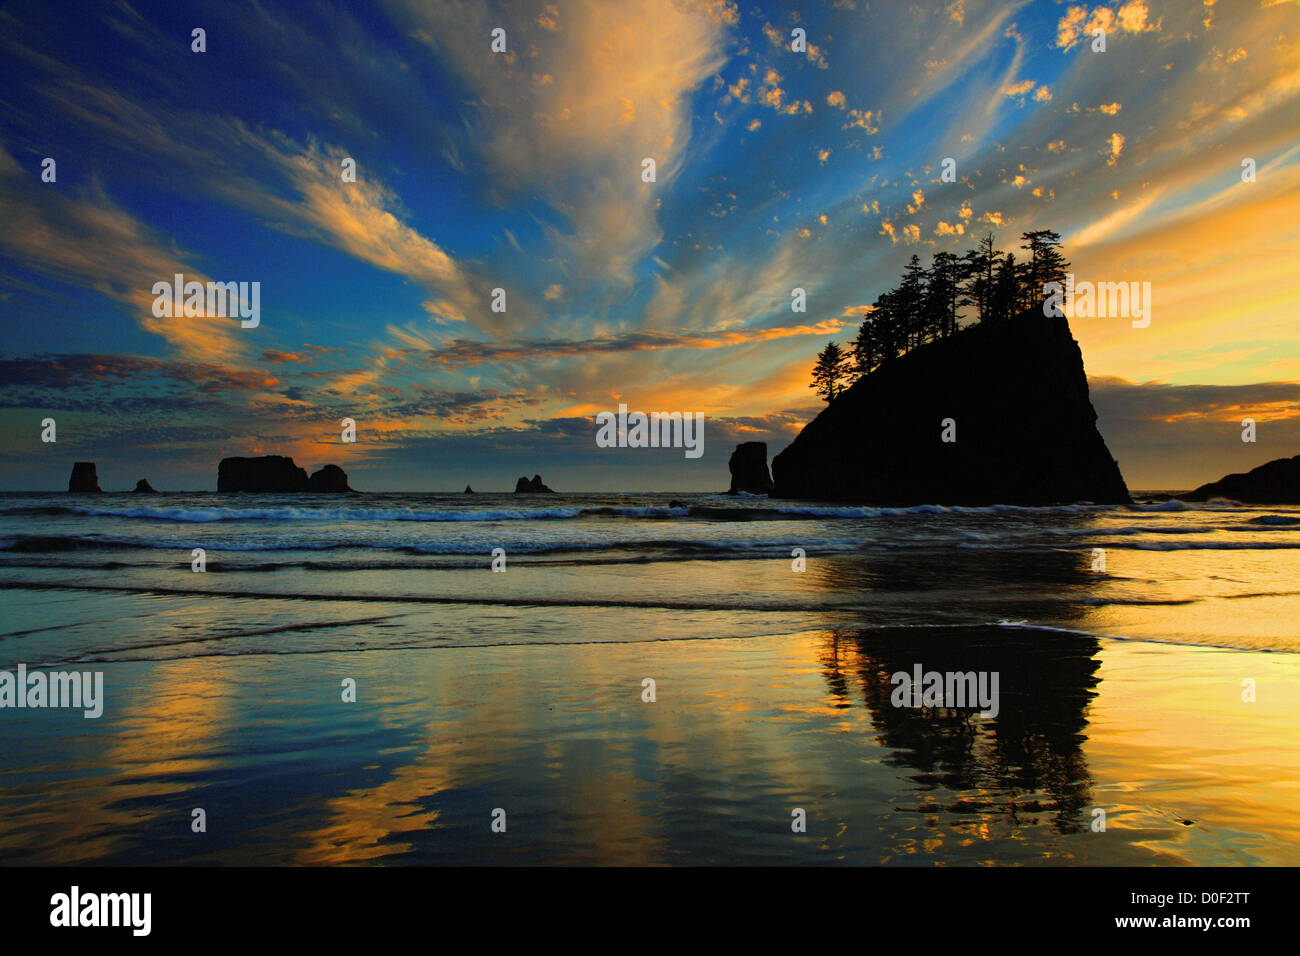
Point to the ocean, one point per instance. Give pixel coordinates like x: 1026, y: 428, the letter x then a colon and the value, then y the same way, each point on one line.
x: 1147, y: 661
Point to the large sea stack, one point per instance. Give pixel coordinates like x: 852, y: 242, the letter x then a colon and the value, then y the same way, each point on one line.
x: 269, y: 473
x: 748, y: 465
x: 276, y: 473
x: 83, y: 477
x: 1026, y: 432
x: 273, y: 474
x: 1274, y: 483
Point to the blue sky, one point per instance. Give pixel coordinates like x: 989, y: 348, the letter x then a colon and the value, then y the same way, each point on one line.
x: 521, y: 170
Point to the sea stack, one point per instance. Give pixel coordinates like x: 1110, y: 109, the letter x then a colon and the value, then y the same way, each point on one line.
x: 749, y: 474
x: 269, y: 473
x: 331, y: 479
x: 524, y: 486
x: 468, y: 490
x: 83, y: 477
x: 143, y: 487
x: 1274, y: 483
x: 1011, y: 397
x: 277, y: 474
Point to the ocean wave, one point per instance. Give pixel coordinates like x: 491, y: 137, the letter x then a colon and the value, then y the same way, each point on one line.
x: 721, y: 512
x: 49, y: 544
x: 1177, y: 504
x: 289, y: 513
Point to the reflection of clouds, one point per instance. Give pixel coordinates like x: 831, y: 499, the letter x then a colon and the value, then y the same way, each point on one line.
x: 167, y: 727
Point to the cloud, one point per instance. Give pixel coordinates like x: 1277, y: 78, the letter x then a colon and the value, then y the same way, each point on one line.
x: 1076, y: 23
x: 546, y: 140
x: 1168, y: 436
x: 1115, y: 146
x: 461, y: 353
x: 89, y: 242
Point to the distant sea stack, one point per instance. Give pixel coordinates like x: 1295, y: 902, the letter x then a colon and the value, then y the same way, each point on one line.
x: 330, y: 478
x: 1275, y: 483
x: 142, y: 487
x: 524, y: 486
x: 1026, y: 432
x: 468, y: 490
x: 749, y: 474
x: 276, y: 473
x: 268, y: 473
x: 83, y: 477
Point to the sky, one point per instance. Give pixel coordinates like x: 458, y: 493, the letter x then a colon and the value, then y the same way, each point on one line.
x: 523, y: 170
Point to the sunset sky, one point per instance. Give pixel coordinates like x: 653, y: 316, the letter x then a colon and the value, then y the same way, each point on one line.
x: 523, y: 171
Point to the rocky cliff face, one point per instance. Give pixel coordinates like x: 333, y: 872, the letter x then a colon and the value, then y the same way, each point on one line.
x: 1274, y: 483
x: 1025, y: 430
x: 84, y: 477
x: 748, y: 465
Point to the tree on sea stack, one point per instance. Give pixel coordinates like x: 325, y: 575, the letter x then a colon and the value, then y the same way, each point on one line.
x: 830, y: 371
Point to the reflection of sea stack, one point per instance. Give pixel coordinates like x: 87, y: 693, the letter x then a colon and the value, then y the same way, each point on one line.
x: 143, y: 487
x: 749, y: 472
x: 277, y: 474
x: 1274, y: 483
x: 524, y: 486
x: 1016, y: 394
x: 84, y: 477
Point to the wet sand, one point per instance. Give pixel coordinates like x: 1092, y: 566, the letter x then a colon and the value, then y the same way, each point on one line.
x: 743, y: 732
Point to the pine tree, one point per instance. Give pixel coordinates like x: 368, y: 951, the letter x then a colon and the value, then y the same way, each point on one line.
x: 1047, y: 264
x: 829, y: 372
x: 982, y: 263
x: 1004, y: 300
x: 911, y: 302
x: 888, y: 327
x: 866, y: 347
x: 944, y: 293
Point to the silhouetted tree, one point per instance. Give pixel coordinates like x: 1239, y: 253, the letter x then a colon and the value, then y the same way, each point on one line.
x: 888, y: 327
x: 927, y: 303
x: 982, y: 261
x: 911, y: 303
x: 867, y: 352
x: 1046, y: 264
x: 830, y: 371
x: 943, y: 294
x: 1006, y: 290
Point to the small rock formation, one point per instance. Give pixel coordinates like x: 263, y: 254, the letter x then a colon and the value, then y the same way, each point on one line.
x: 1274, y: 483
x: 1026, y: 432
x: 269, y: 473
x: 524, y: 486
x: 468, y: 490
x: 143, y: 487
x: 676, y: 504
x: 84, y: 477
x: 330, y: 478
x: 749, y: 474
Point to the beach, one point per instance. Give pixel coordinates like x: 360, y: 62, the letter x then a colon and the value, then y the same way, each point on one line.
x: 523, y: 691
